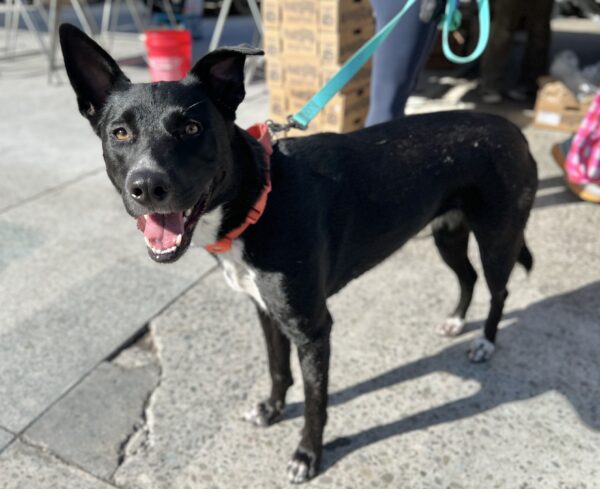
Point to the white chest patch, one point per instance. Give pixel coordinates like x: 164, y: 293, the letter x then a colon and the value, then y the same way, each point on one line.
x: 239, y: 275
x: 208, y: 226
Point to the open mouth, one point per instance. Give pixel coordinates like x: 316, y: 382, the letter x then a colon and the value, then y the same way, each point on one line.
x: 169, y: 235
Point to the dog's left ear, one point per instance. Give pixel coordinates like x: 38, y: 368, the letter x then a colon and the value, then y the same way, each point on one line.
x: 222, y: 72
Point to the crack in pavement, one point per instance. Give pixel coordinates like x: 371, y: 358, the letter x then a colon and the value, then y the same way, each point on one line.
x: 139, y: 438
x: 51, y: 190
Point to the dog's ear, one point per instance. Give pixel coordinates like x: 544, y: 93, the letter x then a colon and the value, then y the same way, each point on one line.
x: 222, y: 73
x: 92, y: 72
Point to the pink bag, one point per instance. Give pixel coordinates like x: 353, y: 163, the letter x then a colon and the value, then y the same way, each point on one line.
x: 583, y: 161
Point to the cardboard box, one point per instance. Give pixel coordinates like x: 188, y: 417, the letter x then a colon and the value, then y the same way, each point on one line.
x: 346, y: 102
x: 277, y: 104
x: 271, y: 13
x: 296, y: 97
x: 557, y: 108
x: 305, y: 74
x: 300, y: 13
x: 301, y: 72
x: 345, y: 112
x: 336, y: 47
x: 272, y: 42
x: 343, y: 122
x: 340, y: 15
x: 300, y: 41
x: 274, y: 74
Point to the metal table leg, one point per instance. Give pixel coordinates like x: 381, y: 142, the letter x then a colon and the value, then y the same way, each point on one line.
x: 224, y: 13
x: 22, y: 10
x: 218, y: 32
x: 255, y: 11
x: 88, y: 23
x: 135, y: 14
x: 53, y: 22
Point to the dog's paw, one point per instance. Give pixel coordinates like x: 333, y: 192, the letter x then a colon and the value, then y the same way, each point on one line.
x: 265, y: 413
x: 452, y: 326
x: 302, y: 467
x: 481, y: 350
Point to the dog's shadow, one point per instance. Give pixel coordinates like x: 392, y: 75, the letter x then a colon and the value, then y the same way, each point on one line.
x: 552, y: 345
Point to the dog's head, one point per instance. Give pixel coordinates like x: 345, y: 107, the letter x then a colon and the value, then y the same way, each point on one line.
x: 166, y: 145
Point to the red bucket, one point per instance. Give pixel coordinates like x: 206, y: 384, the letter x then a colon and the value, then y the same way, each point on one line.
x: 169, y: 54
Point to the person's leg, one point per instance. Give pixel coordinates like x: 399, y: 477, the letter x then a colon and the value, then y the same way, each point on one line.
x: 493, y: 62
x: 398, y: 61
x: 537, y: 23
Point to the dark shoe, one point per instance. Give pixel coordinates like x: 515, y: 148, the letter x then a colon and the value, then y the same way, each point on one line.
x: 521, y: 94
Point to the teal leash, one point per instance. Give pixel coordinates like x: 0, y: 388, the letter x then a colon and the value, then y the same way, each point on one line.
x: 309, y: 111
x: 484, y: 31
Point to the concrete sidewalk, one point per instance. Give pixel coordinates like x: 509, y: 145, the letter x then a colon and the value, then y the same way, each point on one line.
x: 117, y: 372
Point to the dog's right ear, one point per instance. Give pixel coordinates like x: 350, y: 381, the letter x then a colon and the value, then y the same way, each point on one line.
x: 222, y: 73
x: 92, y: 72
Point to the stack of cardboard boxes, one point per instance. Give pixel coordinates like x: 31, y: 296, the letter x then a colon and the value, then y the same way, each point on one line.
x: 306, y: 42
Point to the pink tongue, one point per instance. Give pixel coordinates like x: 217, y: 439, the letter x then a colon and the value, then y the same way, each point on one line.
x: 161, y: 230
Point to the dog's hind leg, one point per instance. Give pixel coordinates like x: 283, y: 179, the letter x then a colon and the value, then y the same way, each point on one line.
x: 451, y: 235
x: 498, y: 257
x: 270, y: 410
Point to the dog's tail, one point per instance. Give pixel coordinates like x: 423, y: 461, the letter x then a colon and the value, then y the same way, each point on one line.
x: 525, y: 258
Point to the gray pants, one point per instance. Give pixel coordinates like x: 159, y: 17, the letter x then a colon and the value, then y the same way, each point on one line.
x: 398, y: 61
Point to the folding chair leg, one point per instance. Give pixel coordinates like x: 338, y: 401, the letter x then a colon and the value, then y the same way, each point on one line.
x: 8, y: 22
x: 115, y: 16
x: 168, y: 9
x: 218, y: 32
x: 53, y: 23
x: 13, y: 32
x: 137, y: 20
x: 32, y: 27
x: 42, y: 11
x: 255, y: 11
x: 87, y: 22
x: 106, y: 13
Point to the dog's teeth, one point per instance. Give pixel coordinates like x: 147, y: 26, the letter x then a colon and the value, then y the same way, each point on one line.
x: 163, y: 252
x: 178, y: 242
x: 147, y: 242
x: 188, y: 212
x: 146, y: 216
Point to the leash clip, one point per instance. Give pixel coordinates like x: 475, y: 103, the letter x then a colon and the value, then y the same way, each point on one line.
x: 275, y: 127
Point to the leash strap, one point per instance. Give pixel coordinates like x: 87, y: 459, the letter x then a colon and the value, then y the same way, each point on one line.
x: 309, y: 111
x: 484, y: 31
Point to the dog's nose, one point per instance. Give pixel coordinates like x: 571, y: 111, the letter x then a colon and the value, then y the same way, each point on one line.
x: 148, y: 187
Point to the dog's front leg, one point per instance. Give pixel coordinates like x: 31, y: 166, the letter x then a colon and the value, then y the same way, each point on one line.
x: 314, y: 363
x: 278, y: 353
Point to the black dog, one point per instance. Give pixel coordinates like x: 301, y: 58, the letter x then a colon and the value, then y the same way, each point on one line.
x: 340, y: 203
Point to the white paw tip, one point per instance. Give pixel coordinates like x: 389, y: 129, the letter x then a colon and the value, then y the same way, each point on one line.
x: 253, y: 416
x: 452, y: 326
x: 481, y: 350
x: 297, y: 471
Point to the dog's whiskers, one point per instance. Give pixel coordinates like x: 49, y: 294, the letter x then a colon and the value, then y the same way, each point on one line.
x: 194, y: 105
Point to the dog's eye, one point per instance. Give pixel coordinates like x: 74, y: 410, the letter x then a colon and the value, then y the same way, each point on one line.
x: 121, y: 134
x: 192, y: 128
